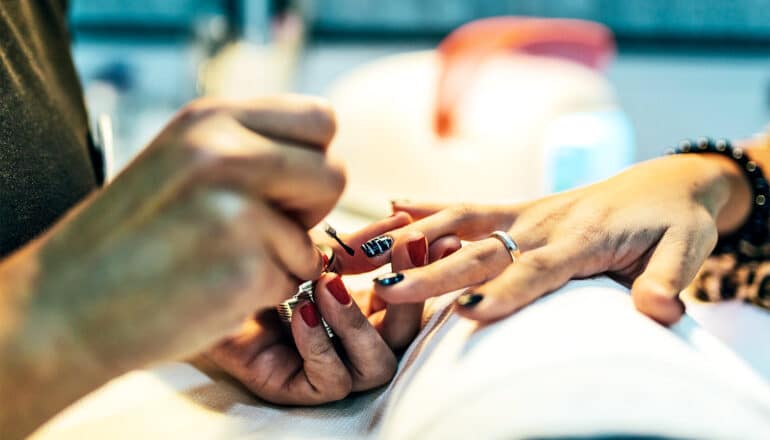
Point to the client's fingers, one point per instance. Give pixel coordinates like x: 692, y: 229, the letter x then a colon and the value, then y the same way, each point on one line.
x: 441, y: 248
x: 672, y: 266
x: 468, y: 222
x: 417, y: 210
x: 444, y: 247
x: 401, y: 322
x: 324, y: 377
x: 533, y: 275
x: 473, y: 264
x: 371, y: 360
x: 359, y: 263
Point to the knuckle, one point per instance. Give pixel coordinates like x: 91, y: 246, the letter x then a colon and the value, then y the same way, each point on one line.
x: 340, y: 389
x: 322, y: 119
x: 538, y: 261
x: 357, y: 322
x: 463, y: 212
x: 591, y: 232
x: 321, y: 350
x: 200, y: 108
x: 340, y: 392
x: 384, y: 371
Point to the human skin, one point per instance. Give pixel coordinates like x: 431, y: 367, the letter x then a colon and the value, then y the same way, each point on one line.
x: 650, y: 227
x: 302, y: 366
x: 207, y: 225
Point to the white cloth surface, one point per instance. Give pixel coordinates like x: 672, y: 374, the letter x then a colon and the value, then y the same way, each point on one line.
x: 580, y: 361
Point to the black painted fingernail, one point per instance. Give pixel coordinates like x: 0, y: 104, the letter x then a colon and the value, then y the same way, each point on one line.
x: 389, y: 279
x: 469, y: 299
x: 377, y: 246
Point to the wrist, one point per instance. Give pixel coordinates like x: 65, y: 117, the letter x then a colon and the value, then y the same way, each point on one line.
x: 730, y: 194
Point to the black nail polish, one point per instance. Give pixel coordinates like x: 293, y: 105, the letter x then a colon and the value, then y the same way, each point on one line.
x: 377, y: 246
x: 469, y: 299
x: 389, y: 279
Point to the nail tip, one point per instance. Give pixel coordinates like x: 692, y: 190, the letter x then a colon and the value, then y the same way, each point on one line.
x: 469, y: 299
x: 377, y: 246
x: 389, y: 279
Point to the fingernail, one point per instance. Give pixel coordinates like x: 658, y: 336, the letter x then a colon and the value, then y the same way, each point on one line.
x: 377, y: 246
x: 469, y: 299
x: 418, y: 250
x: 339, y: 292
x: 310, y: 315
x: 389, y: 279
x: 448, y: 252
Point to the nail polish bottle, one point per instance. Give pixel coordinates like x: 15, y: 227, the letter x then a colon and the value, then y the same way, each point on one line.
x: 306, y: 290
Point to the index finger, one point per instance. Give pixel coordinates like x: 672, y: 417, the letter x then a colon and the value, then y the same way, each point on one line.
x: 301, y: 119
x: 469, y: 222
x: 473, y: 264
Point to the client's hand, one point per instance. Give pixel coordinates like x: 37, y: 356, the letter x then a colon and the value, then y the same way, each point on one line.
x: 650, y: 227
x: 397, y: 323
x: 302, y: 366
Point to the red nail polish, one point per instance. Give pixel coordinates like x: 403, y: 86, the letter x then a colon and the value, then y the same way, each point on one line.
x: 310, y: 315
x: 339, y: 292
x: 418, y: 251
x: 325, y: 260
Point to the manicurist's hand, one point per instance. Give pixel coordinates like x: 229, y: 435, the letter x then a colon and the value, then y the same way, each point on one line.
x: 301, y: 365
x: 207, y: 225
x: 650, y: 227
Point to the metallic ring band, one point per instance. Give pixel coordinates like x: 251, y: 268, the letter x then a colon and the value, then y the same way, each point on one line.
x: 510, y: 244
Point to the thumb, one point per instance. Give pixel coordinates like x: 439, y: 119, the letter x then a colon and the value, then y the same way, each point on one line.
x: 672, y: 266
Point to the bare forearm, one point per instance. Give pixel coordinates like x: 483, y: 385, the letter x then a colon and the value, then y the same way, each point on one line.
x: 43, y: 365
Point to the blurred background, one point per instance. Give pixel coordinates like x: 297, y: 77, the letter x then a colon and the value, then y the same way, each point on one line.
x: 680, y: 68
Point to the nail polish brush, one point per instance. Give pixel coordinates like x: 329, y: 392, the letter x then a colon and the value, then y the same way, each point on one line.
x: 331, y: 232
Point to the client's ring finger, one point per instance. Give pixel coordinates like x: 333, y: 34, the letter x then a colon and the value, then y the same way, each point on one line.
x: 510, y: 244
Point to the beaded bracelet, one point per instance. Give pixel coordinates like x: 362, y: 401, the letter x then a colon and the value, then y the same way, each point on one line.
x: 752, y: 241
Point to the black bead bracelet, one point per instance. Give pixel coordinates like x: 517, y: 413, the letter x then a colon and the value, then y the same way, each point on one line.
x: 752, y: 241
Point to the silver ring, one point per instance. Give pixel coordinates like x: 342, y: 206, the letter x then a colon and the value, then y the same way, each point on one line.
x: 510, y: 244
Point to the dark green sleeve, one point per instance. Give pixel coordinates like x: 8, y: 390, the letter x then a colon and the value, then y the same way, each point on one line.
x: 45, y: 158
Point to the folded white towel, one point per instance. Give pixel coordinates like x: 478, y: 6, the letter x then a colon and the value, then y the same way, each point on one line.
x: 580, y: 361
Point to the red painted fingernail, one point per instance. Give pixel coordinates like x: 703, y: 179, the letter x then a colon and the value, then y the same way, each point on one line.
x: 325, y: 259
x: 418, y: 251
x: 339, y: 292
x: 448, y: 252
x: 310, y: 315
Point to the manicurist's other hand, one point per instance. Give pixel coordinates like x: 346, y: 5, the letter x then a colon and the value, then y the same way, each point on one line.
x: 650, y: 227
x: 207, y: 225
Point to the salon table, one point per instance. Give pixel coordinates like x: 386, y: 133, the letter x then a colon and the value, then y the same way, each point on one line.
x: 580, y: 362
